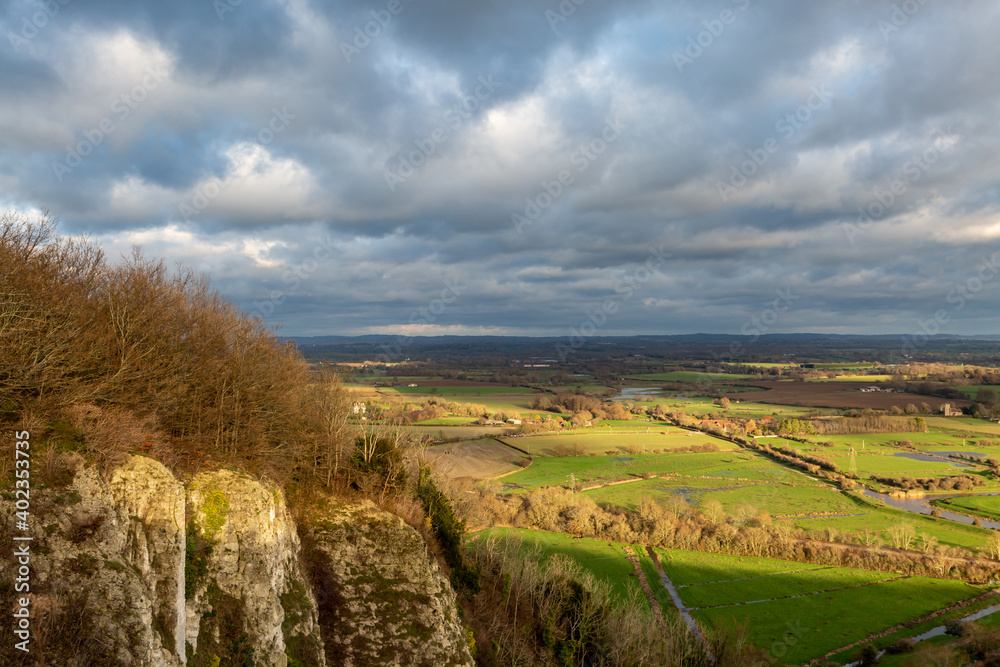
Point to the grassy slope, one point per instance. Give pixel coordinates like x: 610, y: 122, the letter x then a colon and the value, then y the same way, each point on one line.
x: 605, y: 560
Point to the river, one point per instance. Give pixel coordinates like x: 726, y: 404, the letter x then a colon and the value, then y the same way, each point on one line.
x: 923, y: 506
x: 637, y: 393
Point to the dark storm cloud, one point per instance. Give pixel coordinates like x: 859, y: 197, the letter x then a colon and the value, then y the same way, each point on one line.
x: 844, y: 154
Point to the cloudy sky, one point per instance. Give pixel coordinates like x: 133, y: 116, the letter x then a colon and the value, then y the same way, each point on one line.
x: 526, y: 166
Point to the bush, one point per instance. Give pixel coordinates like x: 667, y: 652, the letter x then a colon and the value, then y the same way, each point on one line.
x: 868, y: 656
x: 905, y: 645
x: 574, y: 449
x: 954, y: 627
x: 449, y: 532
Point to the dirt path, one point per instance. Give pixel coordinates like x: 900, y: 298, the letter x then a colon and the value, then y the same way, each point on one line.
x: 644, y: 584
x: 681, y: 607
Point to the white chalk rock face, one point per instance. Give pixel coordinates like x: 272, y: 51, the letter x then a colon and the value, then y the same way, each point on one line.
x: 383, y: 599
x: 248, y: 600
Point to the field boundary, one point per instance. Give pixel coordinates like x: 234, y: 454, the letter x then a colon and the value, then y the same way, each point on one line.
x: 759, y: 576
x: 908, y: 624
x: 507, y: 444
x: 802, y: 595
x: 511, y: 472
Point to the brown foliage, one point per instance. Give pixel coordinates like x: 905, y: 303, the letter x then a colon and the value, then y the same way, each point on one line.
x: 143, y: 359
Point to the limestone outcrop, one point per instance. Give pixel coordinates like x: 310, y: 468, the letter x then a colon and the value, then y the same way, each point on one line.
x: 134, y: 568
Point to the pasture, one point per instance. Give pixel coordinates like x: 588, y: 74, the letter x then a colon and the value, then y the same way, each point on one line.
x: 607, y: 561
x: 834, y: 607
x: 987, y: 507
x: 457, y: 432
x: 453, y: 390
x: 875, y: 464
x: 736, y: 496
x: 634, y: 441
x: 589, y: 470
x: 830, y: 619
x: 878, y: 518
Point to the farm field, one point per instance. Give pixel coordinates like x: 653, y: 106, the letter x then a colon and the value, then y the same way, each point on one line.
x: 446, y: 421
x: 687, y: 377
x: 621, y: 463
x: 460, y: 432
x: 735, y: 496
x: 908, y: 660
x: 740, y: 407
x: 476, y: 458
x: 864, y: 443
x: 833, y: 619
x: 971, y: 391
x: 592, y: 440
x: 777, y: 585
x: 555, y: 471
x: 607, y: 561
x: 853, y: 378
x: 869, y: 464
x: 842, y: 395
x: 964, y: 425
x: 984, y: 506
x: 515, y: 403
x: 880, y: 518
x: 694, y: 567
x: 827, y: 614
x: 453, y: 390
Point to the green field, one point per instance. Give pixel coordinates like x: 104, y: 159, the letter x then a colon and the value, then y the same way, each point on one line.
x: 459, y: 432
x: 853, y: 378
x: 711, y: 579
x: 843, y: 366
x: 775, y: 498
x: 432, y: 390
x: 830, y: 620
x: 598, y: 440
x: 773, y: 586
x: 964, y: 425
x: 984, y: 506
x: 698, y: 406
x: 605, y: 560
x: 556, y: 471
x: 971, y: 391
x: 868, y: 440
x: 835, y: 607
x: 824, y: 617
x: 879, y: 518
x: 519, y: 403
x: 446, y: 421
x: 693, y: 567
x: 689, y: 377
x: 589, y: 470
x: 780, y: 500
x: 869, y: 464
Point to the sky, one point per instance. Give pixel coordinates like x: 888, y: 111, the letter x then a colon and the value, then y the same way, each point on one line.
x: 526, y: 167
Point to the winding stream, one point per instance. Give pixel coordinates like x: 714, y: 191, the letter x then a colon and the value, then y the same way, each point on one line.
x: 940, y: 630
x: 923, y: 505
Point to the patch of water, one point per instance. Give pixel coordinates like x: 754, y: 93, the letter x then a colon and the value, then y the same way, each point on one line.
x: 940, y: 630
x: 927, y: 457
x: 632, y: 393
x: 923, y: 506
